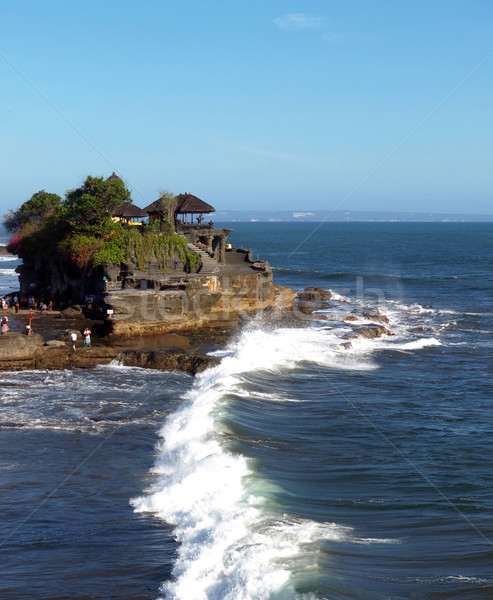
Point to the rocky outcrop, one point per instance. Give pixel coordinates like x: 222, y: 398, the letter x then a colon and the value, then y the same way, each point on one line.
x: 74, y: 311
x: 168, y: 360
x: 201, y: 302
x: 17, y: 350
x: 20, y: 352
x: 371, y: 331
x: 312, y: 299
x: 315, y: 294
x: 65, y: 358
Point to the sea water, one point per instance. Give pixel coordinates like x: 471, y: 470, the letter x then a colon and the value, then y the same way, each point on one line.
x: 307, y: 465
x: 8, y: 263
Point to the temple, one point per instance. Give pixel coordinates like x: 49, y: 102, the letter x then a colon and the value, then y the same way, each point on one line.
x: 202, y: 237
x: 227, y: 283
x: 178, y: 273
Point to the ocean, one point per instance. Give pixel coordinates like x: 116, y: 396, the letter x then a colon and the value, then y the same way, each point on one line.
x: 8, y: 277
x: 307, y: 465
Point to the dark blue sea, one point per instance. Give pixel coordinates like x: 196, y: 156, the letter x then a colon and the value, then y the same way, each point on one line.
x: 307, y: 465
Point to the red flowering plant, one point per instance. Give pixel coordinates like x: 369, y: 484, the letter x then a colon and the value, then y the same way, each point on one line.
x: 80, y: 249
x: 15, y: 245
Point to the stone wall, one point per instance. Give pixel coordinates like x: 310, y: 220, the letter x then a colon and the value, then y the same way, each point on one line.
x: 211, y: 301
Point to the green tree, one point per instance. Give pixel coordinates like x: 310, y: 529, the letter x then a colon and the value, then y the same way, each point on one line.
x: 89, y: 206
x: 80, y: 232
x: 34, y: 213
x: 168, y: 204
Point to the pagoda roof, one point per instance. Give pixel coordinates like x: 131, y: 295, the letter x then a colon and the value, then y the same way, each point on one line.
x: 186, y: 204
x: 113, y: 177
x: 155, y: 207
x: 190, y: 204
x: 127, y: 210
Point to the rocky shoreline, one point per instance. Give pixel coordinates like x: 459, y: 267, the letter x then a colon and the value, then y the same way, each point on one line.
x: 49, y: 348
x: 20, y: 352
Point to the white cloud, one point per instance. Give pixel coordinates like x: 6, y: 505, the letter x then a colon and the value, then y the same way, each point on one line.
x: 299, y: 21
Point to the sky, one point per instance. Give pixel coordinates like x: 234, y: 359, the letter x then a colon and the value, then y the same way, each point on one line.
x: 266, y: 104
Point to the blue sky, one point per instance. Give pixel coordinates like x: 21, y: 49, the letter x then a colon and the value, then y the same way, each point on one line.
x: 278, y: 105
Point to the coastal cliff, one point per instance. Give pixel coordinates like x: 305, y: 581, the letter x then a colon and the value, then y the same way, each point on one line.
x: 149, y: 344
x: 198, y: 302
x: 141, y: 270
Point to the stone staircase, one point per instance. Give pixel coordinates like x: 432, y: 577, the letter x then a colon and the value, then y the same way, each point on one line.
x: 113, y: 286
x: 209, y: 265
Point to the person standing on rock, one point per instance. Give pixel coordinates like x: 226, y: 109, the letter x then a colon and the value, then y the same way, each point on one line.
x: 5, y: 324
x: 87, y: 337
x: 73, y: 337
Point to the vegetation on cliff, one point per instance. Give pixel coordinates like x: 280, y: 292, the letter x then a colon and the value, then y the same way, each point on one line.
x: 79, y: 230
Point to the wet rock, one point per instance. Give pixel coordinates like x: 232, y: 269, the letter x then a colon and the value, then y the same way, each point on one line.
x: 374, y: 315
x: 168, y: 360
x: 17, y: 350
x: 193, y: 364
x: 336, y: 318
x: 372, y: 331
x: 380, y: 318
x: 64, y: 337
x: 64, y: 358
x: 72, y: 311
x: 55, y: 344
x: 315, y: 294
x: 306, y: 307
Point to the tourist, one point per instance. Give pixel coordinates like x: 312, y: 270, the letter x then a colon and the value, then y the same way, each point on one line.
x: 5, y: 324
x: 73, y: 337
x: 87, y: 337
x: 29, y: 330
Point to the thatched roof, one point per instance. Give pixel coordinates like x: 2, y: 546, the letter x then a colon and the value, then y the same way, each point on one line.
x: 113, y: 176
x: 127, y: 210
x: 156, y: 207
x: 190, y: 204
x: 186, y: 204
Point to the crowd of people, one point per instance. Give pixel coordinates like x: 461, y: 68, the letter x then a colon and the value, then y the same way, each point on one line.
x: 15, y: 303
x: 86, y: 334
x: 5, y: 324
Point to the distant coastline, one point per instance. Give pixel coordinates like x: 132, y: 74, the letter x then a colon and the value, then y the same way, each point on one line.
x: 320, y: 216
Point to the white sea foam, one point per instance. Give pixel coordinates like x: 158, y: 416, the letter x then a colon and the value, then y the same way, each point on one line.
x: 418, y: 344
x: 282, y: 349
x: 338, y: 297
x: 234, y: 544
